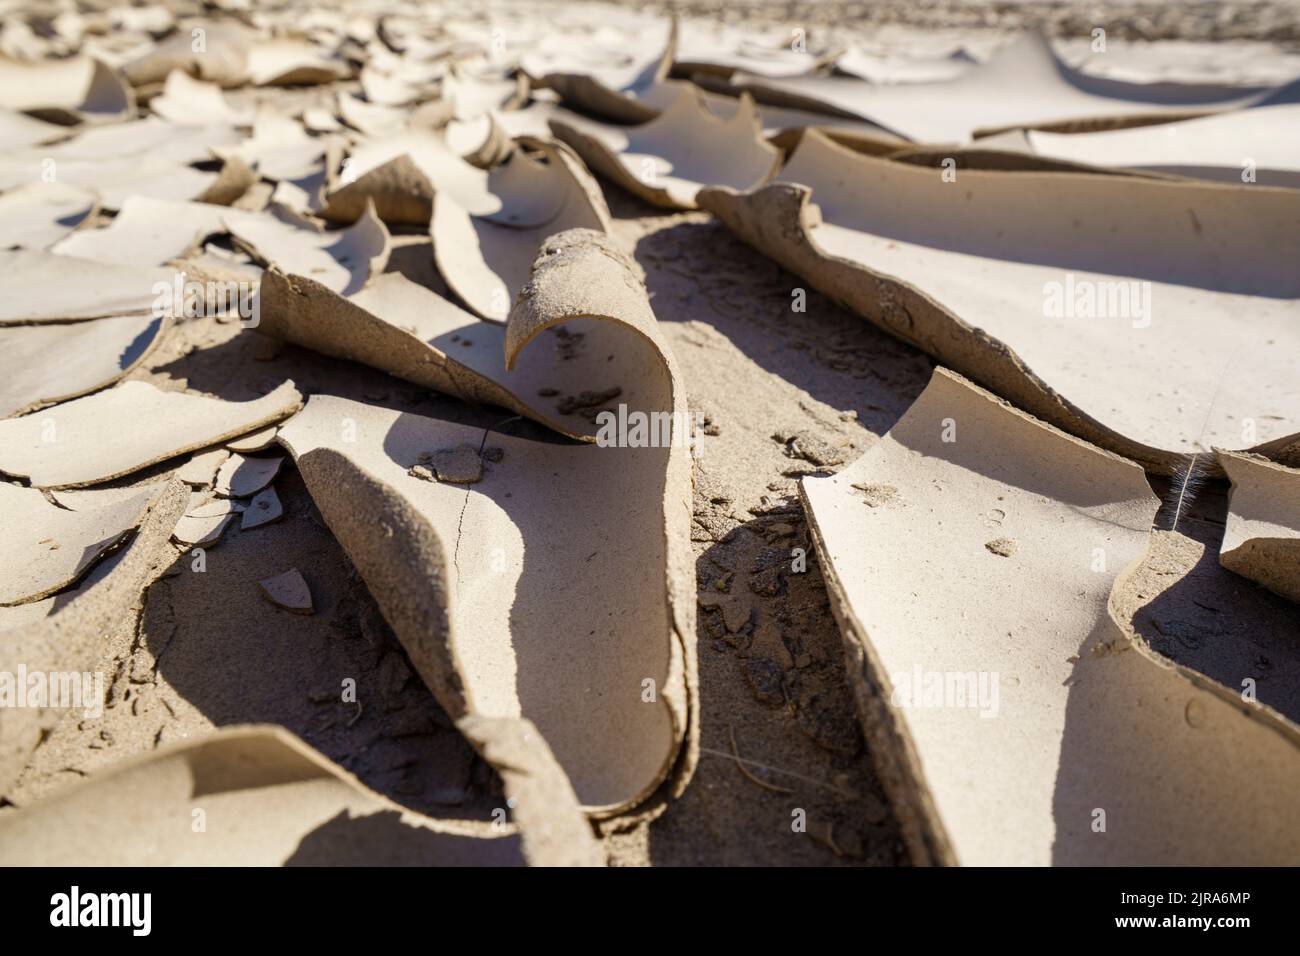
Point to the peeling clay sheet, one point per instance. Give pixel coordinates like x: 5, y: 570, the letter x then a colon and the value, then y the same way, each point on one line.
x: 1023, y: 84
x: 400, y: 327
x: 401, y: 173
x: 48, y: 548
x: 621, y: 94
x: 190, y: 102
x: 542, y: 189
x: 1262, y: 143
x: 81, y: 442
x: 1153, y: 318
x: 37, y: 215
x: 970, y: 556
x: 489, y: 584
x: 55, y: 361
x: 268, y: 799
x: 149, y: 232
x: 342, y: 261
x: 667, y: 160
x: 64, y: 91
x: 18, y: 130
x: 37, y: 286
x: 114, y: 182
x: 1262, y: 537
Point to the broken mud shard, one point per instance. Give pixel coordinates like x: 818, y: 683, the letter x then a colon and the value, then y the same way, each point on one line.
x: 1090, y: 748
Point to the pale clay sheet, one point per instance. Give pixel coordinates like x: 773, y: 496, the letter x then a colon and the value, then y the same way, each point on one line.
x: 19, y: 130
x: 614, y: 92
x: 268, y: 799
x: 342, y: 261
x: 1263, y: 143
x: 77, y: 443
x: 288, y: 61
x: 371, y: 119
x: 222, y: 60
x: 52, y: 362
x: 149, y: 232
x: 502, y: 565
x: 686, y: 147
x: 486, y: 260
x: 403, y: 328
x: 724, y: 50
x: 64, y: 91
x: 288, y: 590
x: 401, y: 173
x: 115, y: 181
x: 201, y: 470
x: 37, y: 215
x: 1262, y: 538
x: 38, y: 286
x: 996, y: 553
x: 280, y: 147
x: 149, y: 136
x: 885, y: 68
x: 48, y: 548
x: 190, y: 102
x: 1022, y: 84
x: 968, y: 271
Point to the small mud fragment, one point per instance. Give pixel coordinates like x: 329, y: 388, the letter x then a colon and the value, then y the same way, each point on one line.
x: 877, y: 495
x: 1003, y: 547
x: 289, y: 591
x: 461, y: 465
x: 805, y: 445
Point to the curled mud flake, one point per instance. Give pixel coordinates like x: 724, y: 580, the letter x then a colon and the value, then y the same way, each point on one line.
x: 876, y: 495
x: 1003, y: 547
